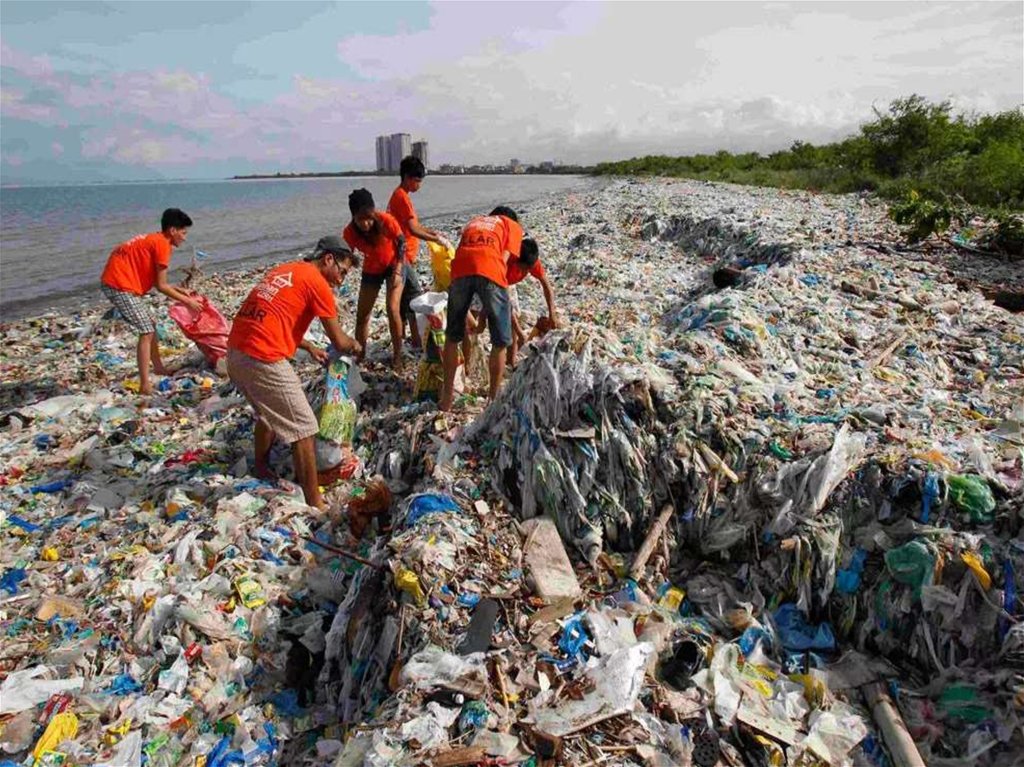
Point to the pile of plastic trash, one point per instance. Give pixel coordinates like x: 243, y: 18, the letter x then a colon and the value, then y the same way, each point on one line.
x: 776, y: 523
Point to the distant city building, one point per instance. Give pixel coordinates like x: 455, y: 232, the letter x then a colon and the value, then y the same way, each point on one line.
x: 421, y: 150
x: 513, y: 163
x: 547, y: 166
x: 391, y: 150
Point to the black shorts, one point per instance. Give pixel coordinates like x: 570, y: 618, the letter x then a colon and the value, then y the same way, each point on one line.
x: 410, y: 287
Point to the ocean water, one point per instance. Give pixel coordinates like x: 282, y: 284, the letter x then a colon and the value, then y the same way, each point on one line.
x: 54, y: 241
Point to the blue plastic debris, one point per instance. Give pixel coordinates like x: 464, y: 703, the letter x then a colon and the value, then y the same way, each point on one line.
x: 796, y: 633
x: 574, y: 637
x: 10, y: 579
x: 429, y: 503
x: 848, y: 580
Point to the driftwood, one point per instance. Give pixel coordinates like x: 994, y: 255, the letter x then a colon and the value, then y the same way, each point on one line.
x: 647, y: 547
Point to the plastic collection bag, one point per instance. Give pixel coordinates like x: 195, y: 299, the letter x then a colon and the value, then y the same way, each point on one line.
x: 339, y: 411
x: 431, y: 319
x: 441, y: 257
x: 208, y: 328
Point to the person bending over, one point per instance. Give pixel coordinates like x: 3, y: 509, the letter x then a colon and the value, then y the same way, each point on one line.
x: 377, y: 235
x: 479, y: 270
x: 269, y: 327
x: 133, y: 269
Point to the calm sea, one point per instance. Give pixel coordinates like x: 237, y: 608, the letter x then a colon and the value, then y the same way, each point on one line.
x: 55, y: 240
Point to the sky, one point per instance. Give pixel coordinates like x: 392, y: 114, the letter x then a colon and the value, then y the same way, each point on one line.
x: 168, y: 90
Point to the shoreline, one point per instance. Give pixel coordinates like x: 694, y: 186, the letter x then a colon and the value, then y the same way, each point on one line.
x: 837, y: 374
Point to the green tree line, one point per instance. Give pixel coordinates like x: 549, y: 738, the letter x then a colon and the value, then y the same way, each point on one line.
x: 935, y: 166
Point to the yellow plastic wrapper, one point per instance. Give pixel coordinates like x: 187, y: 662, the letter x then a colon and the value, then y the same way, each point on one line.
x: 50, y: 554
x: 672, y: 599
x: 407, y: 581
x: 62, y: 727
x: 249, y: 591
x: 974, y: 562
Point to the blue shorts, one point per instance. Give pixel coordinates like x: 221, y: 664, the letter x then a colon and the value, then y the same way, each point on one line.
x: 494, y: 300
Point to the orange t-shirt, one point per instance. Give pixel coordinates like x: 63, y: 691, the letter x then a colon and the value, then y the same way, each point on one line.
x: 132, y: 265
x: 379, y: 253
x: 516, y: 274
x: 400, y: 206
x: 482, y: 248
x: 276, y: 315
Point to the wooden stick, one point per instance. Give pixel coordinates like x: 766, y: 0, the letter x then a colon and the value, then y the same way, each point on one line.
x: 341, y: 552
x: 647, y: 547
x: 894, y: 731
x: 888, y: 350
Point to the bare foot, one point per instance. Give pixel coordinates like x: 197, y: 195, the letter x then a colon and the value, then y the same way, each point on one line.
x: 265, y: 473
x: 398, y: 364
x: 146, y: 390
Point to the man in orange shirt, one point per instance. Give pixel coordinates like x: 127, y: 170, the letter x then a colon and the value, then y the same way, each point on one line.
x: 480, y: 269
x: 378, y: 236
x: 133, y: 269
x: 269, y: 327
x: 400, y: 206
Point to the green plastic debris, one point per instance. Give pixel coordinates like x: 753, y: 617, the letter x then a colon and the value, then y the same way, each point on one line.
x: 912, y: 564
x: 960, y: 701
x: 780, y: 452
x: 972, y: 494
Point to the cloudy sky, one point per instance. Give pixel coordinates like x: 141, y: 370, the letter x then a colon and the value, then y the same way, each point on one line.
x: 143, y: 90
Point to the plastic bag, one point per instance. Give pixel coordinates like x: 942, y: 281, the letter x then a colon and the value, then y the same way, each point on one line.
x: 208, y: 328
x: 972, y: 494
x: 339, y: 411
x: 441, y: 257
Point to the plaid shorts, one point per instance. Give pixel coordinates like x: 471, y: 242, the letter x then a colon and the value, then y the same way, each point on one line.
x: 132, y: 309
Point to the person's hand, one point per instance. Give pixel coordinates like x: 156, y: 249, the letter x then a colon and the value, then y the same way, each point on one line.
x: 195, y: 306
x: 520, y: 338
x: 320, y: 355
x: 446, y: 242
x: 556, y: 322
x: 355, y: 347
x: 397, y: 276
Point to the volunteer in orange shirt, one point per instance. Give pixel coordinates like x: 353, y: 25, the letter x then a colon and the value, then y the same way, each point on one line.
x: 528, y: 263
x: 267, y: 330
x: 379, y: 238
x: 133, y: 269
x: 411, y: 172
x: 480, y: 269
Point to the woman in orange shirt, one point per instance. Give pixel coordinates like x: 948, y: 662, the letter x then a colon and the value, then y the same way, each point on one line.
x: 378, y: 236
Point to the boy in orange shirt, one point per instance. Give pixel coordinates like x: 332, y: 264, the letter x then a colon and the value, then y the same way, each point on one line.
x: 378, y: 236
x: 528, y: 263
x: 411, y: 172
x: 480, y: 269
x: 269, y: 327
x: 133, y: 269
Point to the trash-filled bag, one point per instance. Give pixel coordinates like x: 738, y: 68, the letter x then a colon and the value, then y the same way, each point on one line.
x: 338, y: 412
x: 441, y: 257
x: 208, y: 328
x: 431, y: 318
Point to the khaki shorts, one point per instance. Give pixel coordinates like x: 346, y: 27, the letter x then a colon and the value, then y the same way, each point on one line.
x: 275, y: 392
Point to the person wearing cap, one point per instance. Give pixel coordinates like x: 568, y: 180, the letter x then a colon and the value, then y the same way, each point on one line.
x: 378, y: 236
x: 269, y: 327
x: 480, y: 270
x: 133, y: 269
x: 411, y: 172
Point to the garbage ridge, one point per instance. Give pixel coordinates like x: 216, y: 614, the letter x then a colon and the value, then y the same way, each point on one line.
x: 698, y: 526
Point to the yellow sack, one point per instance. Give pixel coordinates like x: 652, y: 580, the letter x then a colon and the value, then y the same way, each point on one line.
x: 441, y: 262
x: 63, y: 726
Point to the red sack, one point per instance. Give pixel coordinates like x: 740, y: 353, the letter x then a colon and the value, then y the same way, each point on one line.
x: 208, y: 328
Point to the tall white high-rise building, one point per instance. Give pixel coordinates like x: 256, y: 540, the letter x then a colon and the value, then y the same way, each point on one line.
x: 420, y: 150
x: 391, y: 150
x: 382, y: 154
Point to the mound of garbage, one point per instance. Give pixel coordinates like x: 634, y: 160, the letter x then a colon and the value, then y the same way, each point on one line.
x: 776, y: 523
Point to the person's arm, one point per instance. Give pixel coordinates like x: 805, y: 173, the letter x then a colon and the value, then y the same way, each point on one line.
x: 549, y: 298
x: 517, y: 329
x: 175, y: 293
x: 339, y: 339
x: 320, y: 355
x: 423, y: 233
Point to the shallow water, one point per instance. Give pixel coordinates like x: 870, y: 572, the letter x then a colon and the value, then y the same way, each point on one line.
x: 55, y: 240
